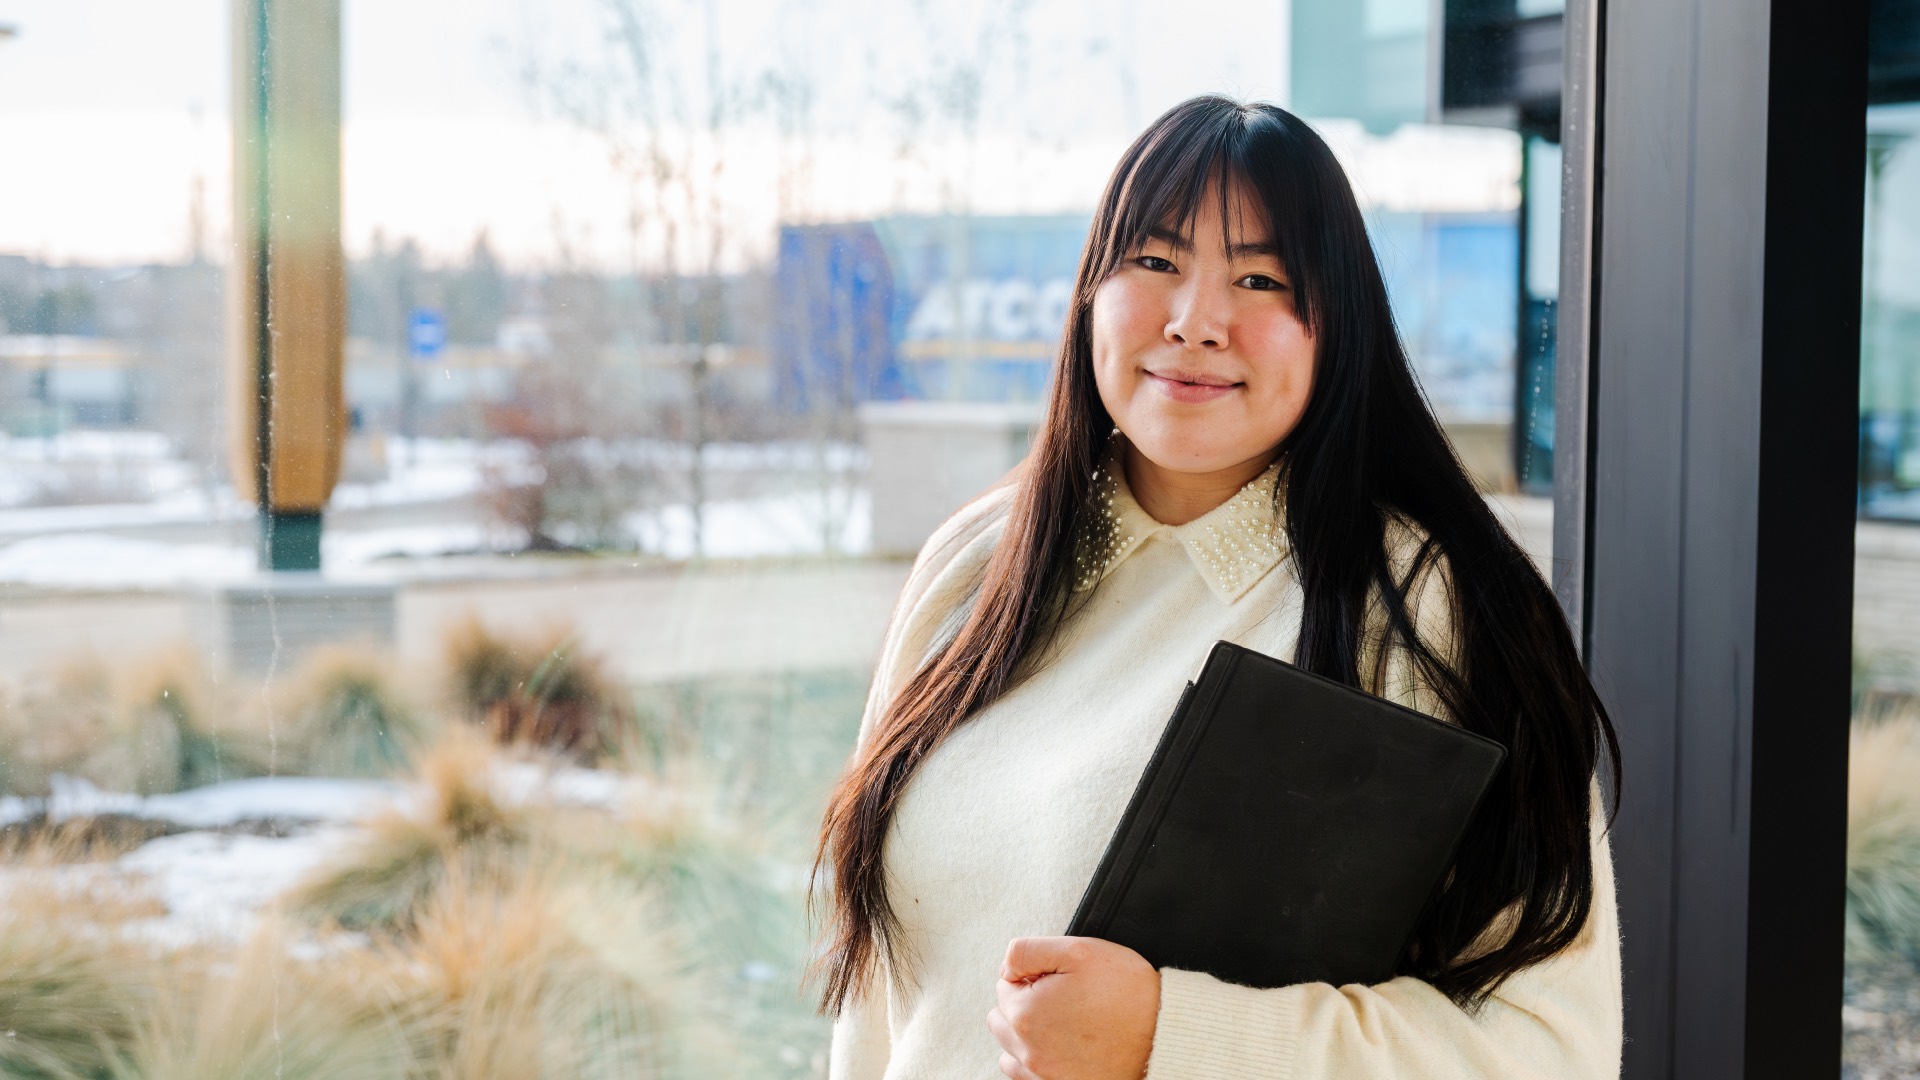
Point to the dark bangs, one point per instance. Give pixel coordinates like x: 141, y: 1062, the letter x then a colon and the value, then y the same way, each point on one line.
x: 1216, y: 145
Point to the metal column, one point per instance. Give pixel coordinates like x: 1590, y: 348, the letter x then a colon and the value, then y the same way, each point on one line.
x: 1707, y: 416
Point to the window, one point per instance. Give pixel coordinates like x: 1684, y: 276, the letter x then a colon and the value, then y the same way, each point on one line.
x: 663, y: 335
x: 1881, y: 1014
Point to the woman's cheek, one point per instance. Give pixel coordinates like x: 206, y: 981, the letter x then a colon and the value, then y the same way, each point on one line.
x: 1289, y: 350
x: 1116, y: 380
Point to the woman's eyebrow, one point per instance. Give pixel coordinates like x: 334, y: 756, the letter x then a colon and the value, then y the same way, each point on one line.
x: 1243, y: 250
x: 1172, y: 239
x: 1250, y: 249
x: 1254, y: 249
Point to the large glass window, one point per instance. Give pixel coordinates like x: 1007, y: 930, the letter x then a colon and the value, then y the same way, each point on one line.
x: 1881, y: 1014
x: 1889, y: 376
x: 1456, y: 156
x: 665, y: 334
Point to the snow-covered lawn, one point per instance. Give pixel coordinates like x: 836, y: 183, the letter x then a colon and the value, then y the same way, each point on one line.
x: 776, y: 525
x: 83, y: 545
x: 245, y: 843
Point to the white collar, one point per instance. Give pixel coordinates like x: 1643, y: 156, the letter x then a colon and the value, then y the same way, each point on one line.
x: 1232, y: 546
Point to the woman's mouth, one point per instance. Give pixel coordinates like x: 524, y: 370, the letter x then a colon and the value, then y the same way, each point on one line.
x: 1191, y: 387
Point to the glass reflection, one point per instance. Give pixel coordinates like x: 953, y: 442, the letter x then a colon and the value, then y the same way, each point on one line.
x: 670, y: 333
x: 1881, y: 1013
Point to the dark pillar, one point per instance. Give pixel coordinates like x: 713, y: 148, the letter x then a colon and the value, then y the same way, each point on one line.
x: 1716, y: 169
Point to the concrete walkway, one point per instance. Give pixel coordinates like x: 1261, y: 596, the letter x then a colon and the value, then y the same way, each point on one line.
x: 668, y: 624
x: 649, y: 624
x: 749, y: 616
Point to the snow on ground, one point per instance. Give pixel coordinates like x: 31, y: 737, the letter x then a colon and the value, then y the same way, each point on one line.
x: 96, y: 560
x: 802, y: 524
x: 837, y: 521
x: 212, y: 887
x: 77, y: 546
x: 142, y: 482
x: 358, y: 549
x: 190, y: 507
x: 214, y: 884
x: 96, y: 464
x: 531, y: 782
x: 319, y: 798
x: 102, y: 479
x: 302, y: 798
x: 295, y: 798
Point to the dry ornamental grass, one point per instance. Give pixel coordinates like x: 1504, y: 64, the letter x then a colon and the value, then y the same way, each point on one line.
x: 73, y: 991
x: 405, y: 854
x: 465, y: 936
x: 1882, y: 1014
x: 543, y: 691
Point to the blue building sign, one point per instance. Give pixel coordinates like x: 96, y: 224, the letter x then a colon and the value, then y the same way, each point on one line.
x: 929, y: 308
x: 971, y: 309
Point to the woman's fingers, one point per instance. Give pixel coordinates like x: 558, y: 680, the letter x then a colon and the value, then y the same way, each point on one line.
x: 1013, y: 1051
x: 1075, y: 1007
x: 1004, y: 1034
x: 1028, y: 958
x: 1011, y: 1066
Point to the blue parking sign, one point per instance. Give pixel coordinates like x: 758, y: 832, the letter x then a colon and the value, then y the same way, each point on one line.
x: 426, y: 334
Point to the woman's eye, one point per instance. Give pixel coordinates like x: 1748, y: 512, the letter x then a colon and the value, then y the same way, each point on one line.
x: 1156, y: 263
x: 1262, y: 282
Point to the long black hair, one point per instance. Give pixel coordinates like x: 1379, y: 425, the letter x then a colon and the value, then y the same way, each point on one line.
x: 1366, y: 451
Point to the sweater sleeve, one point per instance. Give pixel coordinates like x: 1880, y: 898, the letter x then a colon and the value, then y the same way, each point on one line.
x: 862, y: 1039
x: 1559, y: 1018
x: 944, y: 572
x: 941, y: 577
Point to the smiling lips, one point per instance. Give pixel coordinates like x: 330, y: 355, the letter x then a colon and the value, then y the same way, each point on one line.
x: 1191, y: 387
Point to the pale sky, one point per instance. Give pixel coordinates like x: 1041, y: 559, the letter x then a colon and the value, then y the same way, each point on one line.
x: 110, y: 110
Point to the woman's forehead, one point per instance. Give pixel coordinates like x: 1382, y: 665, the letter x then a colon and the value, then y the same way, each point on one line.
x: 1242, y: 238
x: 1228, y: 216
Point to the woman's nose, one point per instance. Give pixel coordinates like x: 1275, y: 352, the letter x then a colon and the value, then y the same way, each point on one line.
x: 1197, y: 319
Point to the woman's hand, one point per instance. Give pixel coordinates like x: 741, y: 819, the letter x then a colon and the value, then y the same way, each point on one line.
x: 1074, y: 1008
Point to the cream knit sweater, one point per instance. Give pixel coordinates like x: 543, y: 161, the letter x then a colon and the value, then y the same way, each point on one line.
x: 1000, y: 830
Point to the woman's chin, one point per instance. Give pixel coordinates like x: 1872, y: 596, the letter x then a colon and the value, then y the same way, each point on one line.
x: 1187, y: 455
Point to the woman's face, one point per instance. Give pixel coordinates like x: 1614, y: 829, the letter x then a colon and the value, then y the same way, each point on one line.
x: 1198, y: 352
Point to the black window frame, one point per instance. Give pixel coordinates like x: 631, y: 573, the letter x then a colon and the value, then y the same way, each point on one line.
x: 1707, y: 404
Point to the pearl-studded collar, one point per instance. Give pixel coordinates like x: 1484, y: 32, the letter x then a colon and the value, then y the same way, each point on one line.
x: 1232, y: 546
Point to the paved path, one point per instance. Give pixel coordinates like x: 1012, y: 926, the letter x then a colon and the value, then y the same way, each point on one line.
x: 750, y: 616
x: 651, y: 624
x: 747, y: 617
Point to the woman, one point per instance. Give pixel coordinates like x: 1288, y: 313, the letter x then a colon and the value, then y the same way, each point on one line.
x: 1235, y: 448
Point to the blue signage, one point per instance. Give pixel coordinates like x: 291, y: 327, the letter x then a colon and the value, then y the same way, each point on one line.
x: 952, y: 308
x: 944, y: 308
x: 426, y: 334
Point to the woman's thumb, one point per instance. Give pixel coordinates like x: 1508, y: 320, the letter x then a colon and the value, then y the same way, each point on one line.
x: 1028, y: 958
